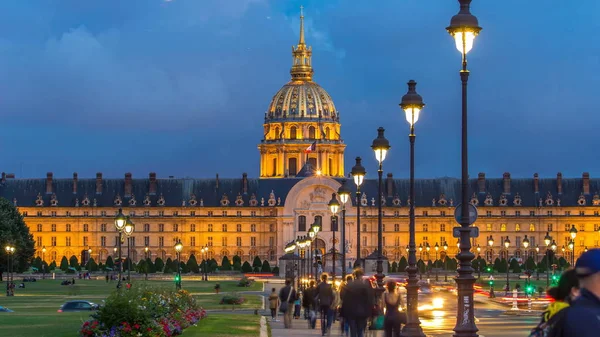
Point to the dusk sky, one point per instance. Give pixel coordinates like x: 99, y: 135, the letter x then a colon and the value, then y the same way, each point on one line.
x: 180, y: 87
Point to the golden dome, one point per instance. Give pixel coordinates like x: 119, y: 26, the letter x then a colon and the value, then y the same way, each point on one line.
x: 302, y: 99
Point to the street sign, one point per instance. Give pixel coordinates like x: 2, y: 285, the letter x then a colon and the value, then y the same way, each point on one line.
x: 472, y: 213
x: 474, y: 232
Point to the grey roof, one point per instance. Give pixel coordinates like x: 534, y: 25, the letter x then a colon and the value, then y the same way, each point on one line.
x: 211, y: 191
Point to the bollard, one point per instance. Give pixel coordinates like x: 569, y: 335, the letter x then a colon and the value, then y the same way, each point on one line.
x: 515, y: 295
x: 529, y: 303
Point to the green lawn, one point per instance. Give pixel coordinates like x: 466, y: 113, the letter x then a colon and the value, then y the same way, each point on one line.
x: 226, y: 325
x: 211, y: 302
x: 36, y: 306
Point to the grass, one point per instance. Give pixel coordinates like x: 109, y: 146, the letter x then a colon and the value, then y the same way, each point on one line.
x: 36, y: 306
x: 226, y: 325
x: 211, y: 302
x: 500, y: 283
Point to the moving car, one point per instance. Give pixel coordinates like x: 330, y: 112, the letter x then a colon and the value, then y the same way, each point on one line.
x: 76, y: 306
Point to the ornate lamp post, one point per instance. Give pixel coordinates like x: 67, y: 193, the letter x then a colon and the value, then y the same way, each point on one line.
x: 491, y: 245
x: 315, y: 229
x: 573, y: 233
x: 547, y: 241
x: 506, y: 245
x: 436, y: 247
x: 178, y: 249
x: 446, y: 262
x: 301, y: 244
x: 204, y: 252
x: 129, y: 228
x: 146, y: 257
x: 572, y: 248
x: 380, y: 146
x: 358, y: 173
x: 43, y: 262
x: 334, y: 206
x: 9, y: 251
x: 537, y: 270
x: 464, y: 27
x: 120, y: 221
x: 344, y: 193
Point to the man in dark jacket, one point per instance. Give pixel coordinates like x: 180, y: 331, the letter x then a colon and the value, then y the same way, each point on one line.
x: 582, y: 319
x: 287, y: 295
x: 325, y: 298
x: 309, y: 304
x: 357, y: 299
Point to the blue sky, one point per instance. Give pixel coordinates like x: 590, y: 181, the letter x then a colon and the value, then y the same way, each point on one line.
x: 180, y: 87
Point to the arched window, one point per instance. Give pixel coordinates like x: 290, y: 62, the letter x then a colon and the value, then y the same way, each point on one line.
x: 503, y: 227
x: 274, y: 173
x: 319, y: 220
x: 302, y: 223
x: 311, y: 132
x: 531, y: 227
x: 396, y: 227
x: 489, y: 255
x: 327, y: 133
x: 518, y: 254
x: 276, y: 136
x: 517, y: 227
x: 293, y: 166
x: 272, y: 255
x: 293, y: 132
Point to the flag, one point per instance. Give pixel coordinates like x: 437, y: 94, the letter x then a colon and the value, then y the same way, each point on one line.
x: 311, y: 148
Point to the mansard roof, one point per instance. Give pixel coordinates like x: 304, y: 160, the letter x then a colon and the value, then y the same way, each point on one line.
x: 178, y: 192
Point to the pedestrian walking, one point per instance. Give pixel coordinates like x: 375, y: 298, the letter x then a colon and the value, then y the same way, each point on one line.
x: 345, y: 327
x: 393, y: 318
x: 357, y: 304
x: 309, y: 304
x: 582, y: 318
x: 287, y: 296
x: 274, y: 304
x: 325, y: 297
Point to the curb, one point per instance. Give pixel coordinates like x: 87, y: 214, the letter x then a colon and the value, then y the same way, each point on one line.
x: 522, y: 313
x: 263, y: 327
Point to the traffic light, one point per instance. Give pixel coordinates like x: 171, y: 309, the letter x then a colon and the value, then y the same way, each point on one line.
x: 489, y: 269
x: 491, y: 282
x: 176, y: 278
x: 554, y: 279
x: 529, y: 289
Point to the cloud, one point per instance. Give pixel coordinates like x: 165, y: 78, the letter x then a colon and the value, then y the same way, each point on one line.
x: 319, y: 39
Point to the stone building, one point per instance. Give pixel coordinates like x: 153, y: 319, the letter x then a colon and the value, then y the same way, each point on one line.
x: 302, y: 156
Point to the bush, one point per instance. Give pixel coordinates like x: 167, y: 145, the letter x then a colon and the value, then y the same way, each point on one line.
x: 276, y: 271
x: 225, y: 264
x: 266, y: 268
x: 144, y: 311
x: 233, y: 299
x: 244, y: 282
x: 52, y: 265
x: 159, y: 265
x: 192, y: 264
x: 257, y: 262
x: 64, y: 264
x: 246, y: 267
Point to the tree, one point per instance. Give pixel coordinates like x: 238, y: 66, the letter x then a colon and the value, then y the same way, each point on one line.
x: 530, y: 264
x: 542, y: 266
x: 402, y: 264
x: 127, y: 263
x: 394, y: 268
x: 257, y: 262
x: 212, y: 265
x: 514, y: 266
x: 276, y: 271
x: 182, y: 265
x: 74, y: 263
x: 238, y: 260
x: 37, y: 263
x: 150, y: 265
x: 497, y: 263
x: 562, y: 263
x: 15, y: 232
x: 237, y: 265
x: 91, y: 265
x: 142, y: 267
x: 159, y: 265
x: 52, y: 266
x: 64, y: 264
x: 225, y: 264
x: 266, y: 268
x: 421, y: 266
x: 502, y: 266
x: 192, y: 264
x: 246, y: 267
x: 168, y: 266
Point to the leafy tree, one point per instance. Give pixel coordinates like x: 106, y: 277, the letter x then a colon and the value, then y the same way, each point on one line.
x: 246, y: 267
x: 192, y: 264
x: 514, y: 266
x: 276, y: 271
x: 562, y: 263
x: 502, y: 266
x: 37, y: 263
x: 15, y: 232
x: 52, y: 266
x: 257, y: 262
x: 256, y: 269
x: 542, y: 266
x: 225, y: 264
x: 394, y: 268
x: 212, y: 265
x: 168, y: 266
x: 91, y: 265
x: 126, y: 263
x: 402, y: 264
x: 237, y: 259
x: 237, y: 265
x: 45, y: 266
x: 142, y: 267
x: 73, y: 262
x: 497, y: 263
x: 482, y: 263
x: 110, y: 263
x: 64, y: 264
x: 150, y: 265
x: 266, y: 268
x: 100, y: 266
x: 159, y: 265
x: 421, y: 266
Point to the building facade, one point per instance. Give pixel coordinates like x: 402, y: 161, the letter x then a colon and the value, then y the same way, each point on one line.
x: 302, y: 156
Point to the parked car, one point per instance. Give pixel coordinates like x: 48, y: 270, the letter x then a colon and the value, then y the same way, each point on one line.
x: 4, y: 309
x: 75, y: 306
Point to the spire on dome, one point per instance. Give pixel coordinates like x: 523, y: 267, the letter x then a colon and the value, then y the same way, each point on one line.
x: 302, y: 65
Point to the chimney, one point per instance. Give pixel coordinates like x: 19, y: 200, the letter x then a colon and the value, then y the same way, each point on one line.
x: 3, y: 177
x: 245, y: 183
x: 49, y: 183
x: 536, y: 183
x: 127, y: 185
x: 75, y: 183
x: 152, y: 177
x: 390, y: 185
x: 99, y: 183
x: 217, y: 182
x: 481, y: 182
x: 506, y: 182
x: 586, y: 183
x: 559, y: 182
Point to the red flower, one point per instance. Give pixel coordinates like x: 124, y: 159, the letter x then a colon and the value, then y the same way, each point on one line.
x: 137, y: 326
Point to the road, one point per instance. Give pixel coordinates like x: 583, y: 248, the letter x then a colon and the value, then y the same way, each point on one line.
x: 490, y: 319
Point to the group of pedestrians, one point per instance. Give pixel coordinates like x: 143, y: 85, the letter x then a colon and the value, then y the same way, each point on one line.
x: 576, y: 310
x: 351, y: 302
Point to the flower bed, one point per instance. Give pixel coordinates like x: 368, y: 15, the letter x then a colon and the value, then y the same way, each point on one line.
x: 244, y: 282
x: 233, y: 299
x: 144, y: 311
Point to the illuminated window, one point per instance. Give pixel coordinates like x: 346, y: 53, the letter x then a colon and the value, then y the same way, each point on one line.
x: 210, y: 227
x: 503, y: 227
x: 193, y: 241
x: 531, y: 227
x: 488, y: 227
x: 396, y: 227
x: 68, y: 229
x: 293, y: 132
x: 161, y: 227
x: 192, y: 227
x: 238, y: 227
x: 175, y: 227
x: 311, y: 132
x: 146, y: 227
x: 253, y: 228
x: 39, y: 227
x: 302, y: 223
x: 442, y: 227
x: 517, y: 227
x: 224, y: 241
x: 53, y: 227
x: 425, y: 227
x: 549, y: 227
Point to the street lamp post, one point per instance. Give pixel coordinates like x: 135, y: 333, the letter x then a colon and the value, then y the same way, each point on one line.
x: 344, y: 193
x: 120, y: 221
x: 380, y: 146
x: 547, y: 241
x: 146, y: 262
x: 572, y: 249
x: 315, y: 229
x: 491, y: 245
x: 445, y: 262
x: 506, y: 245
x: 9, y: 250
x: 334, y: 206
x: 553, y: 256
x: 537, y: 270
x: 358, y: 173
x: 464, y: 27
x: 129, y: 228
x: 204, y: 252
x: 436, y: 247
x: 43, y: 262
x: 178, y: 249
